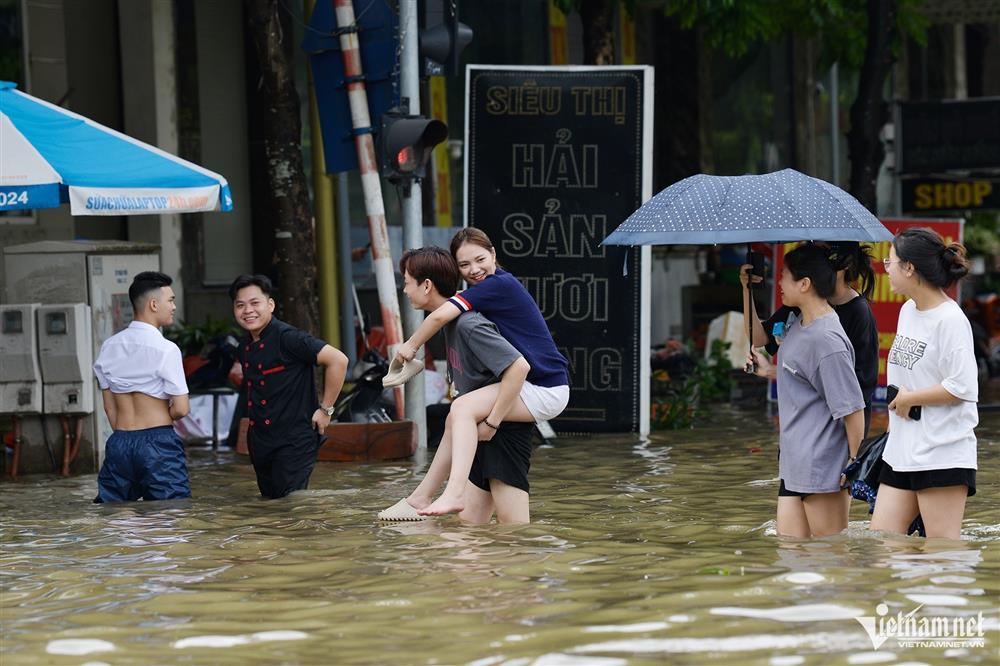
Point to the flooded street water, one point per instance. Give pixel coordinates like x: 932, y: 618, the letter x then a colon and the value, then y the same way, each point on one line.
x: 655, y: 552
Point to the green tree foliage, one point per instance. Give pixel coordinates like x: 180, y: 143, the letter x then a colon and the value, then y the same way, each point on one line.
x: 733, y: 26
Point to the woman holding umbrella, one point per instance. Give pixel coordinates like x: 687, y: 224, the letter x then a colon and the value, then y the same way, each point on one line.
x: 853, y: 290
x: 819, y: 401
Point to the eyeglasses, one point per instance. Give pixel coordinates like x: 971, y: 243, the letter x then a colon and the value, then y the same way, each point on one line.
x: 887, y: 261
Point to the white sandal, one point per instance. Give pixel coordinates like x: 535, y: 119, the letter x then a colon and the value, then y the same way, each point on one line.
x: 400, y: 373
x: 401, y: 510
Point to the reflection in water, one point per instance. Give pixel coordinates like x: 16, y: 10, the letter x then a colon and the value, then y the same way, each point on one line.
x: 660, y: 550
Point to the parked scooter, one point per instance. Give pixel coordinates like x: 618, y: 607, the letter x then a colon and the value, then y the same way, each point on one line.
x: 363, y: 402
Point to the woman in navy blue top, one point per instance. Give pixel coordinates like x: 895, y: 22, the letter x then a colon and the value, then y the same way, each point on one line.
x: 475, y: 416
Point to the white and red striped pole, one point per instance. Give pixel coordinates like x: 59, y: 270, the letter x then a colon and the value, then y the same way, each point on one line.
x: 370, y: 183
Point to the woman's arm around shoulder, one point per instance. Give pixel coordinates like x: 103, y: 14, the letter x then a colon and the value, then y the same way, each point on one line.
x: 433, y: 323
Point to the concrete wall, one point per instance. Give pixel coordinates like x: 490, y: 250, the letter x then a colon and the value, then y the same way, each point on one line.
x: 226, y: 237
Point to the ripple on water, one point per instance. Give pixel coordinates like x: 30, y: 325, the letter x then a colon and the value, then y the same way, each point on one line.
x: 78, y: 646
x: 790, y: 660
x: 871, y: 658
x: 243, y: 639
x: 803, y: 578
x: 803, y: 613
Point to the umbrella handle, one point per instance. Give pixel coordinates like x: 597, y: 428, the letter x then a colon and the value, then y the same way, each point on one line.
x: 751, y: 366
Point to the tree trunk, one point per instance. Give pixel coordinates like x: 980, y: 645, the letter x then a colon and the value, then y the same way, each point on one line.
x: 682, y: 98
x: 870, y: 112
x: 598, y: 18
x: 288, y: 191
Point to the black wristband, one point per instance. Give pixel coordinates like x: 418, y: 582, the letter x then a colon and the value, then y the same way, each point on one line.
x: 488, y: 424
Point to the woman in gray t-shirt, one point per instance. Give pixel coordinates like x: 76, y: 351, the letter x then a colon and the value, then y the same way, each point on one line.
x: 820, y: 405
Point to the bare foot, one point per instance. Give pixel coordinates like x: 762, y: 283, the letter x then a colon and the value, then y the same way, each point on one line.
x: 419, y: 502
x: 443, y: 506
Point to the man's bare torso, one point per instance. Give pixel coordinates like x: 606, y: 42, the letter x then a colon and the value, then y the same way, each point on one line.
x: 138, y: 411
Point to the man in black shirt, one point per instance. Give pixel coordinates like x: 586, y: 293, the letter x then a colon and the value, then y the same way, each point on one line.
x: 286, y: 419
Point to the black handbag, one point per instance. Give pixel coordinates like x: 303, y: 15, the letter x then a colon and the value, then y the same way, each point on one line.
x: 862, y: 476
x: 868, y: 464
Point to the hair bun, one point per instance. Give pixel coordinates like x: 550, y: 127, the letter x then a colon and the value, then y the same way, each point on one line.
x: 954, y: 258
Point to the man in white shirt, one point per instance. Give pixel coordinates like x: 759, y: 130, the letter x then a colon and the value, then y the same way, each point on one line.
x: 142, y: 383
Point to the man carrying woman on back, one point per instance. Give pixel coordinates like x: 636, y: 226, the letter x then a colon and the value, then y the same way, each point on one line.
x: 476, y: 415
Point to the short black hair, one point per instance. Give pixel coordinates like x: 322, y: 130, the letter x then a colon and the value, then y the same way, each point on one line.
x: 434, y: 264
x: 247, y: 280
x: 143, y: 283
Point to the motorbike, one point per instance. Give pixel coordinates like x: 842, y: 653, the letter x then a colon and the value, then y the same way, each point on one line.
x: 363, y: 402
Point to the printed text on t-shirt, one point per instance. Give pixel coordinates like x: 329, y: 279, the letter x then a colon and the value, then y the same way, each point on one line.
x: 455, y: 361
x: 906, y: 351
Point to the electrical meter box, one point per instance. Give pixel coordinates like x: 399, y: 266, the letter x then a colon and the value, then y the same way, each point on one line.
x: 95, y: 272
x: 65, y: 349
x: 20, y: 377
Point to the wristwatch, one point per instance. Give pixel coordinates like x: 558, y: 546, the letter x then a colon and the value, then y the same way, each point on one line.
x: 329, y: 410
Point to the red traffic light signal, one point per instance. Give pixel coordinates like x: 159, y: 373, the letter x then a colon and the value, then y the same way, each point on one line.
x: 405, y: 144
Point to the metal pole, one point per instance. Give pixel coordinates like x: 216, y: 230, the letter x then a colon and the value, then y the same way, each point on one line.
x: 370, y: 184
x: 346, y: 274
x: 326, y: 239
x: 835, y: 124
x: 409, y: 78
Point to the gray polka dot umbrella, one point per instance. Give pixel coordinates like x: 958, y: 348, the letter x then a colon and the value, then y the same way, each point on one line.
x: 774, y: 207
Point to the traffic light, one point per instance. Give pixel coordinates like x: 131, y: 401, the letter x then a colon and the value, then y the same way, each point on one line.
x: 443, y: 43
x: 405, y: 143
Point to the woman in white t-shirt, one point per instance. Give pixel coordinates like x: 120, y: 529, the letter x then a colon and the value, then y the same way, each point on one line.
x: 930, y: 457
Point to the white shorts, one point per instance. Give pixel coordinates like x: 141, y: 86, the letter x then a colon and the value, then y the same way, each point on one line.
x: 545, y: 402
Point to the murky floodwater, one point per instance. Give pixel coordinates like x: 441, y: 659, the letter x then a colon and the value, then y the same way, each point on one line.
x: 658, y: 552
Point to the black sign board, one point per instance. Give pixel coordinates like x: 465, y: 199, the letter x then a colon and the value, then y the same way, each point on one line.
x: 936, y: 194
x: 554, y: 162
x: 953, y: 135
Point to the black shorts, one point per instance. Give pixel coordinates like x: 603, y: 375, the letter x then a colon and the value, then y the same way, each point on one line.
x: 785, y: 492
x: 506, y: 457
x: 932, y: 478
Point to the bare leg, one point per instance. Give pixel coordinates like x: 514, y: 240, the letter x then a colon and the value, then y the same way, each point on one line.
x: 791, y: 518
x: 466, y: 413
x: 511, y: 503
x: 826, y: 513
x: 423, y: 494
x: 942, y: 510
x: 478, y: 505
x: 895, y: 509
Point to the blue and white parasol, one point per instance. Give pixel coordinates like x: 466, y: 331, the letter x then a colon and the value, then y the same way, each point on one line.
x: 50, y: 156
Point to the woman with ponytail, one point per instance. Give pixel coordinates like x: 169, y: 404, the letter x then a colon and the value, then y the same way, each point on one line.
x: 930, y: 456
x: 855, y: 286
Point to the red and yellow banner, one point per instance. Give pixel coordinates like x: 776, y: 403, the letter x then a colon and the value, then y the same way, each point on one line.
x: 885, y: 303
